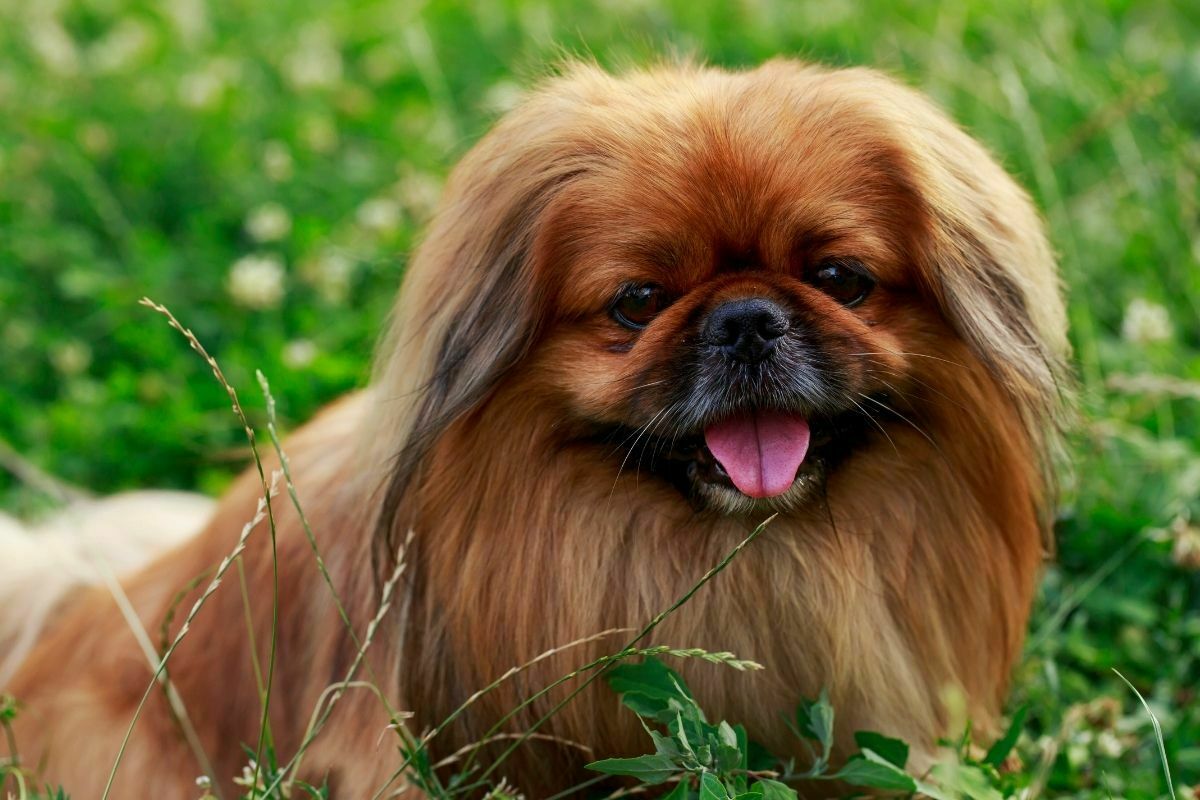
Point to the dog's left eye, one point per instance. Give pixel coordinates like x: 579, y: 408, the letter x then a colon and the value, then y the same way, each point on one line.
x: 636, y: 305
x: 845, y: 280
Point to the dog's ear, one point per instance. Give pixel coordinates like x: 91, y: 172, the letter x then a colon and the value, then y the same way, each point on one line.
x: 985, y: 260
x: 470, y: 307
x: 992, y: 272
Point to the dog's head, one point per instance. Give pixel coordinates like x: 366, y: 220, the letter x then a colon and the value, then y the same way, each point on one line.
x: 736, y: 279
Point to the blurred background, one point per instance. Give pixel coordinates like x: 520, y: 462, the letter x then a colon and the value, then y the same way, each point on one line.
x: 264, y: 169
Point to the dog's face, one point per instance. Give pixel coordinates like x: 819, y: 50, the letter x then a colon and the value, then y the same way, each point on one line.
x: 732, y: 281
x: 732, y: 314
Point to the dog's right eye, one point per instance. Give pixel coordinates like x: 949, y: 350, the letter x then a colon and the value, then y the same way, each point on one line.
x: 637, y: 304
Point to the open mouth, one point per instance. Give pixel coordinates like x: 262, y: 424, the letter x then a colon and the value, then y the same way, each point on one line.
x: 760, y: 451
x: 756, y: 457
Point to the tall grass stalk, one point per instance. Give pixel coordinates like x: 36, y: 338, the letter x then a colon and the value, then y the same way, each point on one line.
x: 194, y: 343
x: 259, y: 515
x: 1158, y: 736
x: 385, y: 604
x: 134, y: 622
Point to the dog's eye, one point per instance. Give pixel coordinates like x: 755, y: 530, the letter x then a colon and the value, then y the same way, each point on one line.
x: 636, y: 305
x: 845, y: 280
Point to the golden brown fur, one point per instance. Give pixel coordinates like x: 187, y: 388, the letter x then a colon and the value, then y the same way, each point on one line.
x: 910, y: 570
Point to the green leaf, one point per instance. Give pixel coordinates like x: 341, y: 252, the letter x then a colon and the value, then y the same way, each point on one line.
x: 965, y: 780
x: 651, y: 689
x: 728, y: 758
x: 750, y: 795
x: 815, y: 718
x: 934, y: 792
x: 758, y: 758
x: 727, y: 734
x: 665, y: 746
x: 682, y: 791
x: 894, y: 750
x: 651, y: 678
x: 711, y: 788
x: 873, y: 770
x: 1004, y: 745
x: 774, y: 790
x: 647, y: 769
x: 692, y: 732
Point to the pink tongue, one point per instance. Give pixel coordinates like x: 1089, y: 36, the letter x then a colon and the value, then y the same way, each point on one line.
x: 761, y: 451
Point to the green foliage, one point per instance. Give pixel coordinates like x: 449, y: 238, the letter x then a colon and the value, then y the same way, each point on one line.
x: 147, y: 149
x: 719, y: 762
x: 713, y: 762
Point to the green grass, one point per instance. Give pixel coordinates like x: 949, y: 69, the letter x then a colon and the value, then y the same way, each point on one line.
x: 137, y: 139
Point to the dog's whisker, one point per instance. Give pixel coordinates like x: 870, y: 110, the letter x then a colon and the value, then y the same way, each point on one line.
x: 909, y: 353
x: 911, y: 424
x: 640, y: 432
x: 875, y: 422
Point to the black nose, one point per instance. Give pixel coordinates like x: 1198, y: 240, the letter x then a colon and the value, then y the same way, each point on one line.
x: 746, y: 329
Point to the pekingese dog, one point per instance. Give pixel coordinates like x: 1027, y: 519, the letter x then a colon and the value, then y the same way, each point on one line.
x: 652, y: 311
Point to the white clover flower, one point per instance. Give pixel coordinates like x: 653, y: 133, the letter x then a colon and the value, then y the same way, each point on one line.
x: 204, y: 88
x: 502, y: 96
x: 330, y: 274
x: 270, y: 222
x: 419, y: 191
x: 1185, y: 545
x: 277, y: 160
x: 1145, y: 322
x: 379, y: 214
x: 121, y: 47
x: 1109, y: 745
x: 71, y: 358
x: 315, y: 63
x: 248, y: 777
x: 54, y: 46
x: 256, y: 281
x: 299, y: 353
x: 190, y: 19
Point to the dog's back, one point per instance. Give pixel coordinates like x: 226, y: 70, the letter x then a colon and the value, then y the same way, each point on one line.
x: 79, y: 546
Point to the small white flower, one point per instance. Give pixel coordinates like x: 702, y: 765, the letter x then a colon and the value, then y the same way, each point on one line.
x: 379, y: 214
x: 122, y: 47
x: 419, y: 191
x: 71, y: 358
x: 299, y: 353
x: 269, y: 222
x: 315, y: 63
x: 200, y: 89
x: 54, y: 46
x: 277, y: 160
x: 256, y: 281
x: 1185, y: 544
x: 330, y: 273
x: 1109, y: 745
x: 1145, y: 322
x: 190, y: 19
x: 204, y: 88
x: 502, y: 97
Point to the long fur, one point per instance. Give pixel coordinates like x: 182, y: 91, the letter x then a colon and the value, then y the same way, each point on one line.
x: 910, y: 577
x: 80, y: 546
